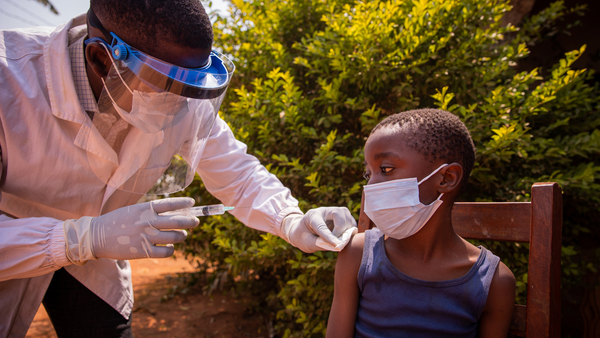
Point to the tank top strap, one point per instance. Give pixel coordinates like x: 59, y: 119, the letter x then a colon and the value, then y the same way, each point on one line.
x: 486, y: 273
x: 372, y: 237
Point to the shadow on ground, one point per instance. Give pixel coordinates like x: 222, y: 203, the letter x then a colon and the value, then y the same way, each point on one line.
x: 191, y: 315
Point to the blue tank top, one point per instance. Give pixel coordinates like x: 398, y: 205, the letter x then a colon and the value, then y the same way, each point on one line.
x: 393, y: 304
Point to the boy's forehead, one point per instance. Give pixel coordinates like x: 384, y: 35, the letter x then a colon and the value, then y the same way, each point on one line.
x: 388, y: 137
x: 392, y: 139
x: 394, y: 131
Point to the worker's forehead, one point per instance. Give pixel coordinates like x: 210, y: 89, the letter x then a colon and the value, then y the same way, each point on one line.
x: 173, y: 53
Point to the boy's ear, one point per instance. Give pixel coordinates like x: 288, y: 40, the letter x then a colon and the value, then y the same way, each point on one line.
x: 452, y: 178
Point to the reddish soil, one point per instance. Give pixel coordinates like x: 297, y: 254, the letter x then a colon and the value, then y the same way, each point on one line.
x: 160, y: 313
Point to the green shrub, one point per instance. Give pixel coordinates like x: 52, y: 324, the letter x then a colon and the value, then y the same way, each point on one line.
x: 314, y: 77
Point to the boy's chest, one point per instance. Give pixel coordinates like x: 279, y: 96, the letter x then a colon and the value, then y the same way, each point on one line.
x: 442, y: 269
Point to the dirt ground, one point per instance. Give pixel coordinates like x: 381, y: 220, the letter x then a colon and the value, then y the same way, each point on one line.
x: 192, y: 315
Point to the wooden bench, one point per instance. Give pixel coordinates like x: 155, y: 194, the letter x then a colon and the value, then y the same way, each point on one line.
x: 538, y: 223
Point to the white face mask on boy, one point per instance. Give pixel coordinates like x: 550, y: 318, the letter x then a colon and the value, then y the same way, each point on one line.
x: 395, y: 207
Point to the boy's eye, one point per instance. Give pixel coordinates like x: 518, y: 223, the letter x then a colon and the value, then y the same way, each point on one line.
x: 386, y: 170
x: 366, y: 175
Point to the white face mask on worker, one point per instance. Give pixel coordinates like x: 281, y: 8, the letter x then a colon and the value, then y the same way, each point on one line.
x: 149, y: 111
x: 395, y: 208
x: 152, y: 112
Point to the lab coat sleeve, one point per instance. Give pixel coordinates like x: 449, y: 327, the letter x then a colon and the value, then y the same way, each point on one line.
x: 31, y: 247
x: 238, y: 179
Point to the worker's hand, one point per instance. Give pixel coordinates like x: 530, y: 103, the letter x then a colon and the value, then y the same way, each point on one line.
x: 130, y: 232
x: 325, y: 228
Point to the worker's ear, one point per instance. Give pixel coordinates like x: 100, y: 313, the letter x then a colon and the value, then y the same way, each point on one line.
x: 452, y: 178
x: 98, y: 58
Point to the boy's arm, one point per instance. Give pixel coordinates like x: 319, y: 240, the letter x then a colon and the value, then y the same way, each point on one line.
x: 342, y: 316
x: 498, y: 310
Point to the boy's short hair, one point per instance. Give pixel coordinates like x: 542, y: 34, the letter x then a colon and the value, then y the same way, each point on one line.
x: 142, y: 22
x: 437, y: 134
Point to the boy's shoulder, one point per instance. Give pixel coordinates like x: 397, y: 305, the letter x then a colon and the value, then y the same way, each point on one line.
x: 497, y: 313
x: 351, y: 255
x: 355, y: 245
x: 472, y: 251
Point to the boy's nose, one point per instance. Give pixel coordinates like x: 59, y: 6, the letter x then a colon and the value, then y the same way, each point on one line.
x: 374, y: 179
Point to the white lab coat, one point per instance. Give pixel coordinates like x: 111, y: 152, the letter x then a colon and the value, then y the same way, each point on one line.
x: 46, y: 178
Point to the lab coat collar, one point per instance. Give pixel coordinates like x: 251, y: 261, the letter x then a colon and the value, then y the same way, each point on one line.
x: 64, y: 102
x: 61, y: 88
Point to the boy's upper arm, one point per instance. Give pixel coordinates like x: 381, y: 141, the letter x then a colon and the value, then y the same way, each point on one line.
x: 497, y: 313
x: 342, y: 316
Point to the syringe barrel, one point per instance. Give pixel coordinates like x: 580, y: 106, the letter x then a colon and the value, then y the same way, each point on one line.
x: 204, y: 210
x: 208, y: 210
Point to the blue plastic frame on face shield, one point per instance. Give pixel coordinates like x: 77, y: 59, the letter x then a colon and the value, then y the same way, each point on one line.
x: 207, y: 82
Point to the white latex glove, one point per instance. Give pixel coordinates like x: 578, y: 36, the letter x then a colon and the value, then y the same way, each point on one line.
x: 325, y: 228
x: 129, y: 233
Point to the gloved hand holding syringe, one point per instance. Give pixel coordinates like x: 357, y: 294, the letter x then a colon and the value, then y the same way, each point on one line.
x: 203, y: 210
x: 143, y: 230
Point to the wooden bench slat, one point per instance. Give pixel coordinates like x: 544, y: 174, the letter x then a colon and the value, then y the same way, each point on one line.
x: 518, y: 324
x: 503, y: 221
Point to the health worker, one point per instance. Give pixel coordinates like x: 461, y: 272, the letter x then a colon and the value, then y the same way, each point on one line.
x: 96, y: 113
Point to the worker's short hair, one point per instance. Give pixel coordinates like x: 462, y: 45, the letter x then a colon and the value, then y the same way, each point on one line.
x: 436, y: 134
x: 141, y: 23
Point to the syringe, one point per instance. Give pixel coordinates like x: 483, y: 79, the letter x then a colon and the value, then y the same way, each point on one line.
x: 204, y: 210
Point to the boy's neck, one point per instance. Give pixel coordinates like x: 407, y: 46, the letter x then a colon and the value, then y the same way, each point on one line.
x: 435, y: 239
x: 436, y: 252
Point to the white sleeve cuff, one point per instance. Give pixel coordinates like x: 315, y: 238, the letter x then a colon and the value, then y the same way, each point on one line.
x: 78, y: 236
x: 58, y: 245
x: 280, y: 219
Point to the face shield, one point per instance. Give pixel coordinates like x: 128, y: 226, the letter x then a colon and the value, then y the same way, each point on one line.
x: 156, y: 118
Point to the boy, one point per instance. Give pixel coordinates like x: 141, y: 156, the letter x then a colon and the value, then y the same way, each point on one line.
x: 413, y: 275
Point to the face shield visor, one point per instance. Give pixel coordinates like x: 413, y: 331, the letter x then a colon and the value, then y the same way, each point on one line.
x: 156, y: 117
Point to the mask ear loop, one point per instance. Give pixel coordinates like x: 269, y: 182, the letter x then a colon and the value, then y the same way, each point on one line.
x: 433, y: 173
x: 117, y: 71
